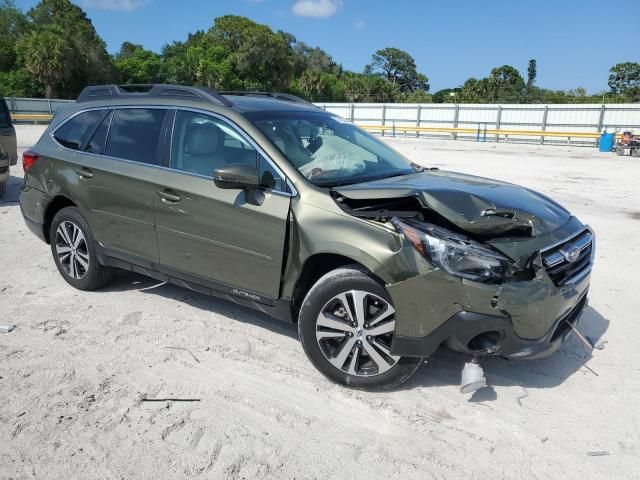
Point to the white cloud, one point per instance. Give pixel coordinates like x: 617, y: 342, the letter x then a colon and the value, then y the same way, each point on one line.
x: 116, y: 5
x: 316, y: 8
x: 360, y: 24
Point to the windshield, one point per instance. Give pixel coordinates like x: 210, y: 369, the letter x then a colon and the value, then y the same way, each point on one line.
x: 328, y: 150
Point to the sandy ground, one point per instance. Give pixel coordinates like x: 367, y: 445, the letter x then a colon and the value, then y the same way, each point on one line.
x: 76, y: 369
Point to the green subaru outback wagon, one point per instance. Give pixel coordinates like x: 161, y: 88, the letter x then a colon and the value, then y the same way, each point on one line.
x: 273, y: 203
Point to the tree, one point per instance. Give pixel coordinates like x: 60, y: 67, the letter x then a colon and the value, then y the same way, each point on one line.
x: 13, y: 24
x: 476, y: 91
x: 398, y: 68
x: 48, y: 56
x: 506, y: 85
x: 624, y: 79
x: 78, y: 55
x: 368, y: 88
x: 532, y: 72
x: 313, y: 58
x: 447, y: 95
x: 137, y: 65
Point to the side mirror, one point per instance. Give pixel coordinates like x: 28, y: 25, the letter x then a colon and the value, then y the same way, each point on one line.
x: 241, y: 176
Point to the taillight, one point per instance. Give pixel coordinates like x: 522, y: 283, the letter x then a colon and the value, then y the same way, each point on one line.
x: 29, y: 158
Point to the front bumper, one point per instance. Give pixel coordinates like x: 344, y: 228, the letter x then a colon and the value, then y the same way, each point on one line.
x: 459, y: 332
x: 517, y: 319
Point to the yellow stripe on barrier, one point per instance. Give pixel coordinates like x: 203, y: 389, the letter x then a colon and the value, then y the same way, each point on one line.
x: 31, y: 117
x: 489, y: 131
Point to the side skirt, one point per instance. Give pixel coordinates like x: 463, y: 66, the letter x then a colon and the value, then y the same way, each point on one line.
x: 279, y: 309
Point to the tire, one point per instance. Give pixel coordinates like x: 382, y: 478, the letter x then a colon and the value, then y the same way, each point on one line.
x: 77, y: 264
x: 354, y: 356
x: 3, y: 188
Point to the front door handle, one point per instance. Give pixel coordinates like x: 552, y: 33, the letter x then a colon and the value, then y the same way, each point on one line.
x: 169, y: 197
x: 84, y: 173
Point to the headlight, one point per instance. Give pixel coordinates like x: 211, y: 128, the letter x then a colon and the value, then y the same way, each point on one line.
x: 454, y: 253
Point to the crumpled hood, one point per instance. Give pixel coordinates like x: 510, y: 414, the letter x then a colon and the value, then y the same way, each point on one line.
x: 476, y: 205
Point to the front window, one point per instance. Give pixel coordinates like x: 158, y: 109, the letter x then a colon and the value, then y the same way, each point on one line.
x: 328, y: 150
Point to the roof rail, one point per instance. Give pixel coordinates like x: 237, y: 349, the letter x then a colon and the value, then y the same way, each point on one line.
x: 101, y: 92
x: 278, y: 96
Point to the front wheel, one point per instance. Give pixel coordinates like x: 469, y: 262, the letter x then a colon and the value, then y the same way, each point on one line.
x: 346, y: 325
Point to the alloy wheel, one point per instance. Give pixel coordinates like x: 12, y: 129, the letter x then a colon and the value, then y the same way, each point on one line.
x: 354, y: 331
x: 72, y: 251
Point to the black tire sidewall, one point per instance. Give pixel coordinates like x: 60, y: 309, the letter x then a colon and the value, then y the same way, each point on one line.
x: 94, y: 278
x: 325, y: 289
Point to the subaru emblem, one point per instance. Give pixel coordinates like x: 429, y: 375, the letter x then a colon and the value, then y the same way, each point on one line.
x: 572, y: 254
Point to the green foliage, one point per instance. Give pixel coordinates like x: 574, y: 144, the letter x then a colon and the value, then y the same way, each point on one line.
x: 62, y: 49
x: 13, y: 24
x: 624, y: 79
x: 54, y: 50
x: 137, y: 65
x: 447, y: 95
x: 399, y: 69
x: 532, y: 72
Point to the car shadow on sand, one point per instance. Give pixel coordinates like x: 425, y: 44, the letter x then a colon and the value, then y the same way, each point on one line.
x: 128, y: 281
x: 441, y: 369
x: 445, y: 366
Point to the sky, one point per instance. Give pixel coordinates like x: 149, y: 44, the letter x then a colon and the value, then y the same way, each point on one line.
x: 575, y: 43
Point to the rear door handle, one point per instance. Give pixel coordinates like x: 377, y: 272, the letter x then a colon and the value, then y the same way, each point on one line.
x: 84, y: 173
x: 169, y: 197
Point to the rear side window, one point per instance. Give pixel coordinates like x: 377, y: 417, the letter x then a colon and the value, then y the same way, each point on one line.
x: 5, y: 120
x: 74, y: 131
x: 135, y: 133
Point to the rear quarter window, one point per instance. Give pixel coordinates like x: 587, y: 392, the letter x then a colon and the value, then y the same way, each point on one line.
x: 72, y: 133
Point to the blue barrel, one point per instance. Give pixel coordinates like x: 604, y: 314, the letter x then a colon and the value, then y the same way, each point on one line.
x: 606, y: 142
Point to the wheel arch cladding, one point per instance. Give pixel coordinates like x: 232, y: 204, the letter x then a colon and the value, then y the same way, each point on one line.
x: 55, y: 205
x: 318, y: 265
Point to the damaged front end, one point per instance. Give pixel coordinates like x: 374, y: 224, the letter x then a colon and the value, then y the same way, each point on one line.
x: 510, y: 291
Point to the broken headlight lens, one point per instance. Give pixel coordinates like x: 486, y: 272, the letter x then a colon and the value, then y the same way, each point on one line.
x: 454, y: 253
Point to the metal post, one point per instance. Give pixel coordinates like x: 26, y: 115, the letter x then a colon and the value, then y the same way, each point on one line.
x: 543, y: 127
x: 603, y: 109
x: 13, y: 104
x: 384, y: 118
x: 498, y: 120
x: 478, y: 134
x: 351, y: 114
x: 456, y: 115
x: 49, y: 105
x: 394, y: 127
x: 418, y: 120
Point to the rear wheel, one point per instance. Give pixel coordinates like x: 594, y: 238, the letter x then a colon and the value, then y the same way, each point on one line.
x: 73, y: 250
x: 346, y: 326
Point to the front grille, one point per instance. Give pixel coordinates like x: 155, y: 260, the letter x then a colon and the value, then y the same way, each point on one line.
x: 570, y: 261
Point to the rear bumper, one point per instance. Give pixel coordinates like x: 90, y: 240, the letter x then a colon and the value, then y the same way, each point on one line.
x: 32, y: 205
